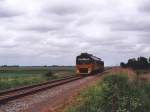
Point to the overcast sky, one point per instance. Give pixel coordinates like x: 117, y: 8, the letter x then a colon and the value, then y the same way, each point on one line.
x: 47, y: 32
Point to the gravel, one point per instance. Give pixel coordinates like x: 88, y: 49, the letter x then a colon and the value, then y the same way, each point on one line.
x: 49, y: 96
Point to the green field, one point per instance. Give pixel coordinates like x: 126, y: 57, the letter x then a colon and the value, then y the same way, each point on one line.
x: 115, y: 93
x: 21, y: 76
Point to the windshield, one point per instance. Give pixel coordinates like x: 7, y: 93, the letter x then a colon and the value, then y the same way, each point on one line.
x: 83, y: 61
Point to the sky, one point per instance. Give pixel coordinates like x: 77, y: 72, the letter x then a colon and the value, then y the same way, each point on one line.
x: 54, y: 32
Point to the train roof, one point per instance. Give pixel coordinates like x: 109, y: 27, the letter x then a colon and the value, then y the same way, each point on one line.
x: 90, y: 56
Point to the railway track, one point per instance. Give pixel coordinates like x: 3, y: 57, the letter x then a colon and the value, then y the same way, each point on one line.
x: 28, y: 90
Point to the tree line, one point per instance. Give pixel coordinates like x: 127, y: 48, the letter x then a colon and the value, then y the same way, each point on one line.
x: 139, y: 63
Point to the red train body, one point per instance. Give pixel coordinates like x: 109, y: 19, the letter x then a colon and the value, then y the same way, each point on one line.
x: 87, y: 64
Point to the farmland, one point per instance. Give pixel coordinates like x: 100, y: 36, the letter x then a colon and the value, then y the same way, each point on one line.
x: 13, y: 77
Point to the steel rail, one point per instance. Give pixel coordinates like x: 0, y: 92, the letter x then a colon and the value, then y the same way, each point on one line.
x: 28, y: 90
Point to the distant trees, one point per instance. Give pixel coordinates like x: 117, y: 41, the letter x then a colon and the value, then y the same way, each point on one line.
x: 139, y: 63
x: 122, y: 64
x: 9, y: 66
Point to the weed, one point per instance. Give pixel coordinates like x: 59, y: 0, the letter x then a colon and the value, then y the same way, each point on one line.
x: 115, y: 93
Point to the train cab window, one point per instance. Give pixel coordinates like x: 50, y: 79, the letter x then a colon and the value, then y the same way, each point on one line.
x: 83, y: 61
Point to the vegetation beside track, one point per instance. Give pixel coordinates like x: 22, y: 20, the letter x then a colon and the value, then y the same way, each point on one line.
x: 11, y: 78
x: 115, y: 93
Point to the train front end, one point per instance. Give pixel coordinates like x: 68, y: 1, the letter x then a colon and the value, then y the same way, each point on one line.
x: 83, y: 64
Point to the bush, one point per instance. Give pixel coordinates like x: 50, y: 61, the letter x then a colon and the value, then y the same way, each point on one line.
x: 115, y: 94
x: 48, y: 74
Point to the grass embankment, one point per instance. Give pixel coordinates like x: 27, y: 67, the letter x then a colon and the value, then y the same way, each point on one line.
x: 13, y: 78
x: 115, y: 93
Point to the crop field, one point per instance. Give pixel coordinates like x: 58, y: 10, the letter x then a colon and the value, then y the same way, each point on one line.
x: 118, y: 91
x: 21, y: 76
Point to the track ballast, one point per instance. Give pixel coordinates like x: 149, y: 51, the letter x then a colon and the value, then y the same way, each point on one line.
x: 28, y: 90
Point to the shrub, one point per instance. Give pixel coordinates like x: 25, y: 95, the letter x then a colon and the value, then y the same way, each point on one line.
x: 48, y: 74
x: 115, y: 94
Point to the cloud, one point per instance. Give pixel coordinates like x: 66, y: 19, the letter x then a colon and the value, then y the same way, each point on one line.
x: 42, y: 28
x: 63, y: 9
x: 54, y: 32
x: 144, y: 6
x: 6, y: 12
x: 131, y: 25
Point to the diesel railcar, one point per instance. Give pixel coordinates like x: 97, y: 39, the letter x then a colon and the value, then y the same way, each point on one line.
x: 87, y: 64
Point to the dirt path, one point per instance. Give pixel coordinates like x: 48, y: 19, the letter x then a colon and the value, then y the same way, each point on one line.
x: 131, y: 74
x: 145, y: 76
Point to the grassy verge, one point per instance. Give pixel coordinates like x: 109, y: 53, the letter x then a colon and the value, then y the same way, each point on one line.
x: 11, y: 83
x: 14, y: 78
x: 115, y: 93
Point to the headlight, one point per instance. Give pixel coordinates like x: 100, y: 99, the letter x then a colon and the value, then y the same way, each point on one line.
x: 89, y: 70
x: 77, y: 71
